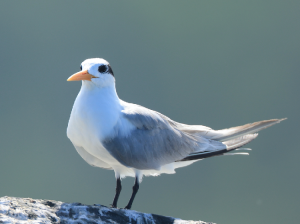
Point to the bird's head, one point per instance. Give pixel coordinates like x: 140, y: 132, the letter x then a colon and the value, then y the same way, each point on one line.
x: 96, y: 71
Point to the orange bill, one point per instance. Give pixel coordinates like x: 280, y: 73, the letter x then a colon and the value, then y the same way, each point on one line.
x: 83, y: 75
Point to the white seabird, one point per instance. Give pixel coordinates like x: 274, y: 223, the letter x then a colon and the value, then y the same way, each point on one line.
x: 134, y: 141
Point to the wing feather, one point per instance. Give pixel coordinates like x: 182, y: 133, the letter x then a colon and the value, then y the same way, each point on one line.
x: 154, y: 141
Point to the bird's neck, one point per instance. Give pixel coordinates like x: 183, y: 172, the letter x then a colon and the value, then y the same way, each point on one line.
x: 100, y: 95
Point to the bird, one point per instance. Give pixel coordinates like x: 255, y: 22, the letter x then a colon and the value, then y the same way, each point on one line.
x: 135, y: 141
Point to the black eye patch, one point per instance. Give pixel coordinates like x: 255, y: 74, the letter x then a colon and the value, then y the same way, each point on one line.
x: 80, y: 67
x: 110, y: 70
x: 102, y: 68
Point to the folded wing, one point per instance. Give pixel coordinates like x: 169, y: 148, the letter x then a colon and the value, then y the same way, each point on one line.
x: 154, y: 141
x: 157, y: 140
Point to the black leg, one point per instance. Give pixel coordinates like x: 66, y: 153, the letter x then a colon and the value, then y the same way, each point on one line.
x: 135, y: 189
x: 118, y: 190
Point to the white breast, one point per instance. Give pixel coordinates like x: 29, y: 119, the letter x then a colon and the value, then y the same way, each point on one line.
x: 94, y: 114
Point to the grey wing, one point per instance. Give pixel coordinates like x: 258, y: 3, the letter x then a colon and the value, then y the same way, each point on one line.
x: 155, y: 140
x: 90, y: 159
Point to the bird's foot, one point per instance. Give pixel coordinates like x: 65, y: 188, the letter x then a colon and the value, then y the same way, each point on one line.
x: 127, y: 207
x: 113, y: 206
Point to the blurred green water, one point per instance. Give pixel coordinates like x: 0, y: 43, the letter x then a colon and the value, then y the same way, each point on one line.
x: 215, y: 63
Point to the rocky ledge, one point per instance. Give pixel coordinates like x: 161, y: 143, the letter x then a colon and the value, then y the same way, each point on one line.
x: 27, y: 210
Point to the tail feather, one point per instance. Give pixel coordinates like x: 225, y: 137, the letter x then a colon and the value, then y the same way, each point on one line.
x: 236, y: 153
x: 230, y: 146
x: 239, y: 142
x: 235, y: 132
x: 234, y: 138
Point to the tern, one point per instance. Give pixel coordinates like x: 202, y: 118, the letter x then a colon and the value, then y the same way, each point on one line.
x: 135, y: 141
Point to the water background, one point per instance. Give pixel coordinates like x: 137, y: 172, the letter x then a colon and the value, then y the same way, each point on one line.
x: 215, y: 63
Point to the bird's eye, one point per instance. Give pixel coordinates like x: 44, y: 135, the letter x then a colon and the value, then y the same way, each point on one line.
x: 80, y: 67
x: 102, y: 68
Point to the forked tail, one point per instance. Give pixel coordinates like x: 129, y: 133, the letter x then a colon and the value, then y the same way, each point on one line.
x: 233, y: 138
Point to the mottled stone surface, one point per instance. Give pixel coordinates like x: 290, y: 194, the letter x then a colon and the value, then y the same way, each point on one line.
x: 27, y: 210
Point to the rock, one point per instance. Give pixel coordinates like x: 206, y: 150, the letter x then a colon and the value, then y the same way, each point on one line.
x: 27, y: 210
